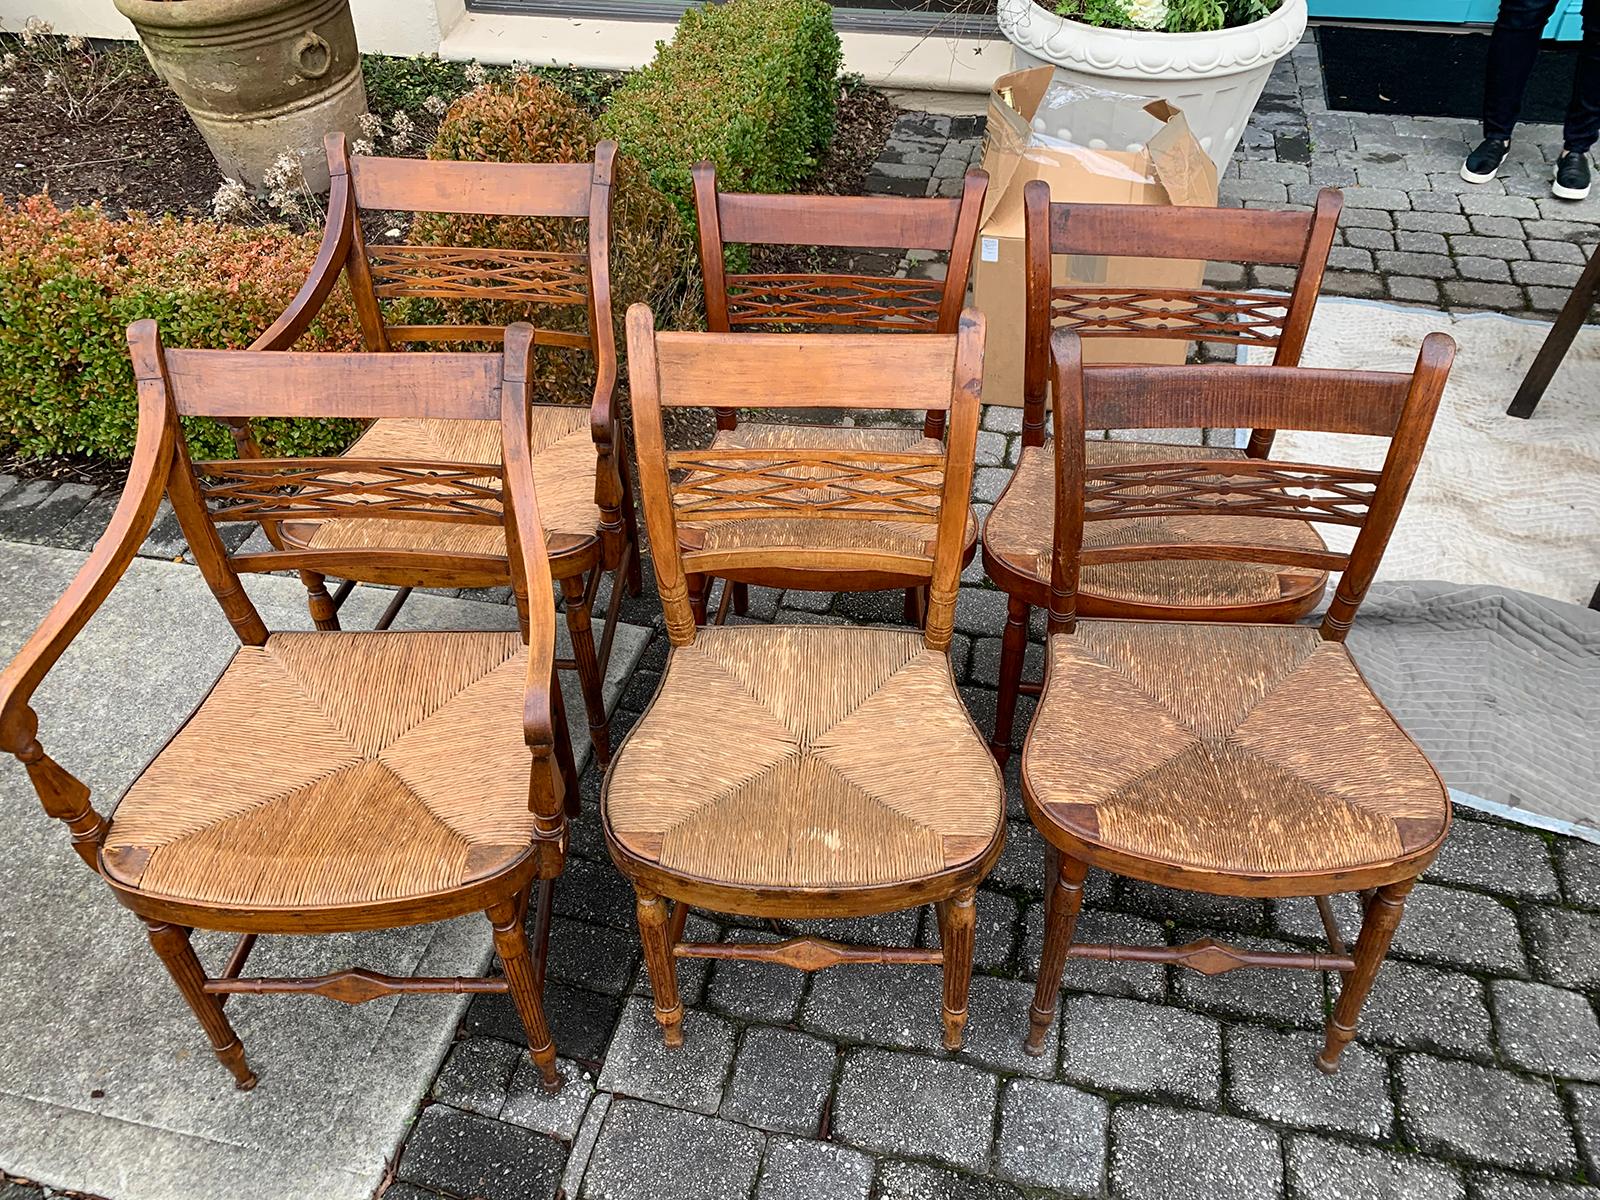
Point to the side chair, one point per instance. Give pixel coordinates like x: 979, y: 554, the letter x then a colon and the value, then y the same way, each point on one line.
x: 810, y: 771
x: 1017, y: 533
x: 1246, y: 759
x: 832, y: 302
x: 579, y: 455
x: 328, y: 781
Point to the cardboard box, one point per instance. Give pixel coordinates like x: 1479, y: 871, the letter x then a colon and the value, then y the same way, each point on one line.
x: 1030, y: 136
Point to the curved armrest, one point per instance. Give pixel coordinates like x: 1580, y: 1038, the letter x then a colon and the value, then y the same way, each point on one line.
x: 602, y: 411
x: 331, y: 256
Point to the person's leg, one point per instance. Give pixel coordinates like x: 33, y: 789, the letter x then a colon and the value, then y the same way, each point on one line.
x: 1583, y: 113
x: 1513, y: 47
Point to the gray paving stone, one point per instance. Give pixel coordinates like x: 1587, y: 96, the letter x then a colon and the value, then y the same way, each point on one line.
x: 1253, y: 994
x: 85, y: 528
x: 1021, y: 864
x: 780, y: 1080
x: 1353, y: 283
x: 816, y: 602
x: 1423, y: 291
x: 1579, y: 866
x: 801, y: 1170
x: 986, y: 661
x: 1547, y: 1030
x: 639, y: 1063
x: 1142, y: 1049
x: 1349, y: 258
x: 995, y: 934
x: 981, y: 612
x: 1565, y: 945
x: 645, y: 1152
x: 1432, y: 222
x: 883, y: 929
x: 580, y: 1020
x: 468, y: 1155
x: 591, y: 955
x: 1584, y: 1104
x: 1176, y: 1154
x: 1143, y: 981
x: 991, y: 449
x: 1424, y: 1008
x: 997, y: 1019
x: 1422, y: 242
x: 1546, y: 299
x: 1547, y: 274
x: 477, y: 1075
x: 1483, y: 1115
x: 1372, y: 218
x: 1377, y: 197
x: 1369, y: 239
x: 1440, y: 924
x: 1506, y: 227
x: 1487, y: 1186
x: 561, y: 1115
x: 1272, y: 1075
x: 1489, y: 247
x: 755, y: 991
x: 1492, y: 270
x: 897, y: 1103
x: 1407, y: 262
x: 989, y: 482
x: 1002, y: 419
x: 1052, y: 1136
x: 914, y: 1181
x: 1192, y: 908
x: 1442, y: 202
x: 692, y: 972
x: 1493, y: 858
x: 1323, y: 1169
x: 1489, y: 297
x: 36, y: 511
x: 880, y: 1005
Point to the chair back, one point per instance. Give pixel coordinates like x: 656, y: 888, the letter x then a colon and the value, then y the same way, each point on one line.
x: 716, y: 511
x: 550, y: 195
x: 831, y: 300
x: 1391, y: 405
x: 231, y: 384
x: 1257, y: 237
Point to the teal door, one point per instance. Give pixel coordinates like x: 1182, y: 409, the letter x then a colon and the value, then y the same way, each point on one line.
x: 1566, y: 24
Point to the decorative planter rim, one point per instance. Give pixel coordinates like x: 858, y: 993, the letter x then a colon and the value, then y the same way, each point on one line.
x: 1136, y: 53
x: 206, y: 14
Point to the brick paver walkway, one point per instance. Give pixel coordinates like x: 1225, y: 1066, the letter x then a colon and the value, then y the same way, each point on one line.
x: 1475, y: 1074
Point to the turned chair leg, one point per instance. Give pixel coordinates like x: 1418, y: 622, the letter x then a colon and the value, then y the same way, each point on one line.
x: 655, y: 931
x: 172, y: 945
x: 741, y: 599
x: 542, y: 895
x: 1063, y: 898
x: 916, y: 606
x: 699, y: 586
x: 516, y: 959
x: 568, y: 765
x: 324, y: 613
x: 1013, y: 649
x: 1377, y: 931
x: 957, y: 925
x: 589, y: 677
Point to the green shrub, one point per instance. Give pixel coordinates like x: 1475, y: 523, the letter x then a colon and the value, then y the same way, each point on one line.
x: 526, y: 119
x: 72, y: 281
x: 751, y: 85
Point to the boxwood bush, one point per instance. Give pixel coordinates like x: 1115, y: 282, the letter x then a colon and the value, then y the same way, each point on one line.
x: 71, y: 281
x: 751, y: 85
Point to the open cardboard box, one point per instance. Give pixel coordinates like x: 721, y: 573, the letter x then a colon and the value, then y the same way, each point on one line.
x: 1030, y: 136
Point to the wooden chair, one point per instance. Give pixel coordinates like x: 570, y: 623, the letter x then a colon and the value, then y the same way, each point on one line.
x: 810, y: 771
x: 579, y: 457
x: 834, y: 302
x: 328, y: 781
x: 1016, y: 536
x: 1234, y: 759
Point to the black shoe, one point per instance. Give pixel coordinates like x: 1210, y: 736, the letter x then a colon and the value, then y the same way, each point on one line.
x: 1483, y: 164
x: 1572, y: 176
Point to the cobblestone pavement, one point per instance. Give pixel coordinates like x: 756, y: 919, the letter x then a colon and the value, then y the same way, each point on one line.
x: 1477, y: 1072
x: 1411, y: 230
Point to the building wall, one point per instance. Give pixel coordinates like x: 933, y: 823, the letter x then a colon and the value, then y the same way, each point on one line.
x: 444, y: 27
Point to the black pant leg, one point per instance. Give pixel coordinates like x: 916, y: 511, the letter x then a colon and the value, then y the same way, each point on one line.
x: 1513, y: 47
x: 1583, y: 113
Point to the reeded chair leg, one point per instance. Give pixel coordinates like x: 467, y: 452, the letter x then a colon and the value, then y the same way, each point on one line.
x: 589, y: 677
x: 1063, y: 898
x: 1377, y: 931
x: 171, y: 944
x: 655, y: 931
x: 324, y: 613
x: 516, y: 959
x: 957, y: 928
x: 1013, y: 649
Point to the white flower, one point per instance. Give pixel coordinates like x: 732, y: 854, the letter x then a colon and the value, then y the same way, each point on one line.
x: 231, y: 201
x: 401, y: 130
x: 35, y: 28
x: 1147, y: 14
x: 283, y: 174
x: 75, y: 43
x: 371, y: 124
x: 363, y: 147
x: 475, y: 74
x: 8, y: 62
x: 435, y: 106
x: 523, y: 68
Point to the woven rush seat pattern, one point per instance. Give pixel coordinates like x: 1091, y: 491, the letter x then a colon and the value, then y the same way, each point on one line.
x: 336, y: 768
x: 805, y: 758
x: 844, y: 532
x: 563, y: 472
x: 1284, y: 763
x: 1019, y: 532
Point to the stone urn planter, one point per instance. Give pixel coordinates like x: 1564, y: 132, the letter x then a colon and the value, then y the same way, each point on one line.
x: 1215, y: 78
x: 259, y: 77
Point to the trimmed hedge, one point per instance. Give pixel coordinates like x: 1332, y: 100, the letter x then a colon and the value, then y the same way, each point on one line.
x: 71, y: 281
x: 525, y: 119
x: 751, y: 85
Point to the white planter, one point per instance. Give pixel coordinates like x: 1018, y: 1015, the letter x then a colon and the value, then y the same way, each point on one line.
x: 1215, y: 78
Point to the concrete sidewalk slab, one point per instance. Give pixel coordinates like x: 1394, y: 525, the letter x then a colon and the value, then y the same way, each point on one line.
x: 107, y: 1084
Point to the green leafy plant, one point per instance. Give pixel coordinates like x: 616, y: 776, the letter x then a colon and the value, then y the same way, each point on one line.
x: 751, y: 85
x: 1171, y: 16
x: 71, y: 281
x: 523, y: 118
